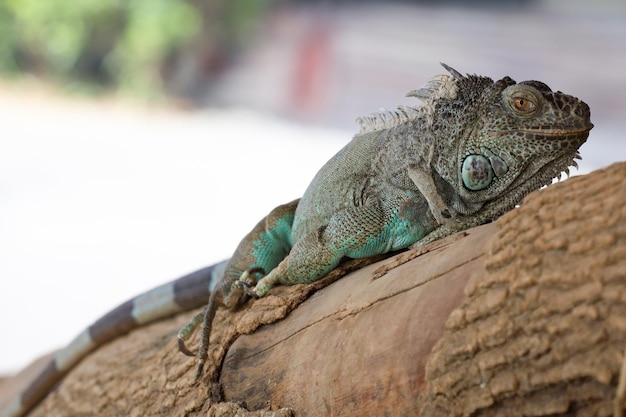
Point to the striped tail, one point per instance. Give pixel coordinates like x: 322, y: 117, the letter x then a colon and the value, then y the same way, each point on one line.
x: 183, y: 294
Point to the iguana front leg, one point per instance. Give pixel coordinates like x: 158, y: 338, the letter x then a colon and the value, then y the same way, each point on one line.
x: 443, y: 214
x: 260, y: 251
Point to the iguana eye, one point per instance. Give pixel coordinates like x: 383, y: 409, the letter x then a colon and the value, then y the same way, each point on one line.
x: 523, y: 104
x: 523, y: 101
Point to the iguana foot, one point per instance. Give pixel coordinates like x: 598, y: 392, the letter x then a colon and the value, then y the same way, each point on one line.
x: 445, y: 218
x: 244, y: 288
x: 186, y: 332
x: 240, y: 289
x: 443, y: 214
x: 182, y: 348
x: 265, y: 284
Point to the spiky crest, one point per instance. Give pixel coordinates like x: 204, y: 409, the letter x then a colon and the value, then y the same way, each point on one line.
x: 437, y: 87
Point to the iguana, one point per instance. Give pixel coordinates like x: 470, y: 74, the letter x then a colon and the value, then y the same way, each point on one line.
x: 468, y: 154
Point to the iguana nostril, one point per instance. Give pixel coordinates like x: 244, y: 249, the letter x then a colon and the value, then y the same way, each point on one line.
x: 582, y: 110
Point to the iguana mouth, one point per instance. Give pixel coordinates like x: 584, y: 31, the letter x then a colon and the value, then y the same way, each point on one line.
x: 557, y: 132
x: 548, y: 132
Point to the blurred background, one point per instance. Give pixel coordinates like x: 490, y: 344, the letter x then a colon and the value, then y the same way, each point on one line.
x: 140, y: 140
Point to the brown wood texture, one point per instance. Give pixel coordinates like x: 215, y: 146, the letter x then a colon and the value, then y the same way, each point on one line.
x: 543, y: 329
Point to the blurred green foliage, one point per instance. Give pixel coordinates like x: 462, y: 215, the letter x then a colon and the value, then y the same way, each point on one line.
x: 114, y: 44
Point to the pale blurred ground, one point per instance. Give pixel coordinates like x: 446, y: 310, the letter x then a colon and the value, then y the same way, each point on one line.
x: 100, y: 201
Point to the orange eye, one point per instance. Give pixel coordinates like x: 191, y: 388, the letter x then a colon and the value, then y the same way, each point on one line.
x: 523, y: 104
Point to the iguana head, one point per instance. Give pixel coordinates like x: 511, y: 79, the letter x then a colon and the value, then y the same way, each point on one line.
x: 499, y: 141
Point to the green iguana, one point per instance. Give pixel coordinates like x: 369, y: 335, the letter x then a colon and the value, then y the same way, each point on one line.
x: 468, y: 154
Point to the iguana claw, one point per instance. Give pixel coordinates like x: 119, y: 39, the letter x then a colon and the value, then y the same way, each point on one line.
x: 247, y: 288
x: 183, y: 348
